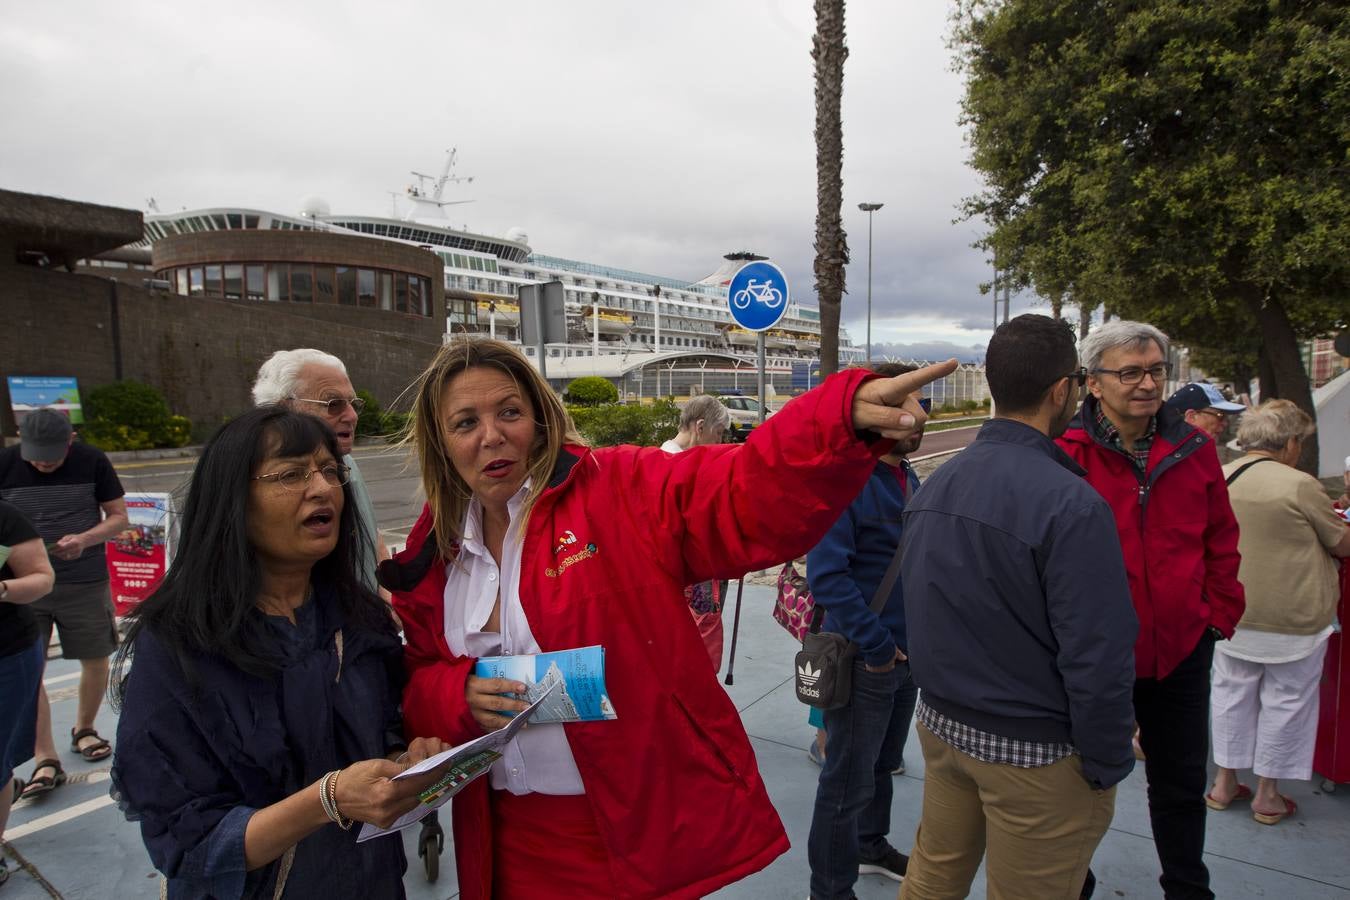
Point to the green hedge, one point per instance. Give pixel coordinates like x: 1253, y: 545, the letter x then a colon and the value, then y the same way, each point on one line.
x: 620, y: 423
x: 591, y: 390
x: 129, y: 415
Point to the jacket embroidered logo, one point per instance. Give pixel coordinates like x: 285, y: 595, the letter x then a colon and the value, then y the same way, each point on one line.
x: 808, y: 674
x: 567, y: 562
x: 567, y: 539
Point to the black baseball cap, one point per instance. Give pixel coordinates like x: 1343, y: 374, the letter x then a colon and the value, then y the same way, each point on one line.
x: 44, y: 435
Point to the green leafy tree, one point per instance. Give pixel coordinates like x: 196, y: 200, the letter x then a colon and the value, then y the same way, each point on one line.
x: 591, y: 390
x: 1177, y: 162
x: 829, y: 50
x: 129, y: 415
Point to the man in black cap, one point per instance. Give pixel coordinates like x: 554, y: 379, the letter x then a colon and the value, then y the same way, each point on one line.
x: 72, y: 495
x: 1204, y: 407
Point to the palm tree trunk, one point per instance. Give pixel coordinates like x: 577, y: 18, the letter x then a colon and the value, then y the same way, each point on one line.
x: 829, y: 51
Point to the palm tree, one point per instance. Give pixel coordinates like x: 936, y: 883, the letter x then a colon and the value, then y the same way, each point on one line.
x: 829, y: 51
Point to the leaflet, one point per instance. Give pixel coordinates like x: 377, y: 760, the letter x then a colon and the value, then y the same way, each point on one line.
x: 579, y: 674
x: 467, y: 762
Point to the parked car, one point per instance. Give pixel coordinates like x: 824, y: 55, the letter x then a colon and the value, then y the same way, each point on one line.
x: 744, y: 416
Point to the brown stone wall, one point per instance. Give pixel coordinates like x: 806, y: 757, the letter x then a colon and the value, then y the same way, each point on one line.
x: 202, y: 354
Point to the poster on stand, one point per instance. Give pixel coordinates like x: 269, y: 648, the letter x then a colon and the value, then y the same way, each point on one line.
x: 138, y: 556
x: 30, y: 392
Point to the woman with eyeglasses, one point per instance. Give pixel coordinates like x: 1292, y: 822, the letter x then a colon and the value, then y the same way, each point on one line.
x: 260, y: 683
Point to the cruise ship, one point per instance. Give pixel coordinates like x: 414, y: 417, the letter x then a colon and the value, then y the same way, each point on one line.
x: 653, y: 335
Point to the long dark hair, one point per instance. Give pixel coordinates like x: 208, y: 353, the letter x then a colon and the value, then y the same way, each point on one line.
x: 206, y: 602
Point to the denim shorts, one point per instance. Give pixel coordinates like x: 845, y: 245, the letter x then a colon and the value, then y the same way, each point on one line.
x: 20, y: 674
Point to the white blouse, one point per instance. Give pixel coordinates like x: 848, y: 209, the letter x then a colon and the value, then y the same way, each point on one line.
x: 538, y: 759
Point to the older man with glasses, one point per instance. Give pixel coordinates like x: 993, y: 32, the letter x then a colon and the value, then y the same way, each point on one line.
x: 1162, y: 479
x: 1204, y: 407
x: 316, y: 383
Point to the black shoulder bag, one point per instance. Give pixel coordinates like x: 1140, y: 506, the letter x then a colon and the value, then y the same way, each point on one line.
x: 1234, y: 477
x: 824, y: 665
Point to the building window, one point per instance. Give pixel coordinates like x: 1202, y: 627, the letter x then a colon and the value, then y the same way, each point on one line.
x: 213, y: 281
x: 400, y: 292
x: 253, y: 282
x: 365, y: 287
x: 346, y: 285
x: 323, y: 285
x: 387, y: 291
x: 279, y: 282
x: 182, y: 276
x: 234, y: 282
x: 302, y: 284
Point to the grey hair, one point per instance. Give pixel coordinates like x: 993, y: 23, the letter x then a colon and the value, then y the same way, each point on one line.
x: 707, y: 408
x: 277, y: 377
x: 1271, y: 425
x: 1120, y: 333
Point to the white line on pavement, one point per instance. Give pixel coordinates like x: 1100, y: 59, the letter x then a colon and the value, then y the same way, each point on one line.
x: 62, y: 816
x: 57, y: 679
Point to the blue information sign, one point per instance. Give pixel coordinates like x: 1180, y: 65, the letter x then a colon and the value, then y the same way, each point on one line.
x: 758, y: 296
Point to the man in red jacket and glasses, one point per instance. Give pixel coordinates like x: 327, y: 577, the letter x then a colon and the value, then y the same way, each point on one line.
x: 1162, y: 479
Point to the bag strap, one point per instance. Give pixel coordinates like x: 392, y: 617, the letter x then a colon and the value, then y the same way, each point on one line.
x: 1234, y: 477
x: 879, y: 600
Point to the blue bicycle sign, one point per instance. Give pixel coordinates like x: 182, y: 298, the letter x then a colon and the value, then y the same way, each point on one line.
x: 757, y: 295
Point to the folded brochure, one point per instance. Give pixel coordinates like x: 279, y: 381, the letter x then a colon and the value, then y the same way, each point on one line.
x: 466, y: 762
x: 578, y: 674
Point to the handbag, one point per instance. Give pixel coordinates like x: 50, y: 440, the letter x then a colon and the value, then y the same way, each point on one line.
x: 823, y: 675
x: 793, y: 607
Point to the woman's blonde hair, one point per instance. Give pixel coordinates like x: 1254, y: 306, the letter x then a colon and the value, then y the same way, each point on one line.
x: 448, y: 495
x: 1270, y: 426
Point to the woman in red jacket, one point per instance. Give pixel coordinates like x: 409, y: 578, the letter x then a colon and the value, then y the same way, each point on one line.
x: 531, y: 542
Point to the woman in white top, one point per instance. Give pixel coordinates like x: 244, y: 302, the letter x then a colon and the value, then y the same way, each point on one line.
x: 1265, y: 679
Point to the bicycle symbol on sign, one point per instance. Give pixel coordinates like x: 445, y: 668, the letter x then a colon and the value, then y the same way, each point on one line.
x: 764, y: 293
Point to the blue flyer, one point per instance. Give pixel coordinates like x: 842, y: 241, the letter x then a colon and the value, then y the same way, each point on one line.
x: 580, y: 675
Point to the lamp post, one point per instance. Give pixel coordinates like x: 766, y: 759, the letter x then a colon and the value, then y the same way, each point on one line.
x: 869, y: 208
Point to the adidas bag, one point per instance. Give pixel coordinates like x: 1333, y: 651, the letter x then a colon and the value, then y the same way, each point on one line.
x: 824, y: 677
x: 824, y: 673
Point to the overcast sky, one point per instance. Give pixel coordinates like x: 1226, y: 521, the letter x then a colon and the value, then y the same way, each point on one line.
x: 646, y: 136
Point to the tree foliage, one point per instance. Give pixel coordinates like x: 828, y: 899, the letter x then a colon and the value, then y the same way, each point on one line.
x: 591, y: 390
x: 611, y: 424
x: 1178, y: 162
x: 129, y: 415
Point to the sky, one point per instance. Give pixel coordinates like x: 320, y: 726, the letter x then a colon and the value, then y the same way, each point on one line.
x: 645, y: 136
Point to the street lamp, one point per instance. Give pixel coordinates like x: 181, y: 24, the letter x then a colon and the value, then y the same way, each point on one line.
x: 869, y: 208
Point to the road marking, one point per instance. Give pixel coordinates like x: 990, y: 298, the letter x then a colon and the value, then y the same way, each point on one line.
x: 57, y: 679
x: 915, y: 459
x: 62, y: 816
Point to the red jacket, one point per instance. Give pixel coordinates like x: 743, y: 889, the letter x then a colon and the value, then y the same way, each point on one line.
x: 673, y: 782
x: 1177, y: 532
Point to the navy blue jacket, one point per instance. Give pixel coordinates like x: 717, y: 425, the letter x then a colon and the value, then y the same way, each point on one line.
x: 1018, y: 607
x: 193, y: 765
x: 847, y: 566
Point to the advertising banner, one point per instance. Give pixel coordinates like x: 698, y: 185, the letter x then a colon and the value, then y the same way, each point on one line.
x: 29, y: 392
x: 139, y: 556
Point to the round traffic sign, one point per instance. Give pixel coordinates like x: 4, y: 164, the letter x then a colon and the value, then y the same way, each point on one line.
x: 758, y: 295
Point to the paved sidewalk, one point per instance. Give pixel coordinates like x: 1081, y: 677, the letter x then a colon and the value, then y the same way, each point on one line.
x: 77, y: 842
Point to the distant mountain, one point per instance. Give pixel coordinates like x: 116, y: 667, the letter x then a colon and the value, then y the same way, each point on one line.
x: 929, y: 350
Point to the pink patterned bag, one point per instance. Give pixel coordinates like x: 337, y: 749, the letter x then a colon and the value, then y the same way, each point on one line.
x: 794, y: 605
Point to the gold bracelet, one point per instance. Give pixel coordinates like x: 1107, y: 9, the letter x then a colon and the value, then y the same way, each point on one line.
x: 342, y: 821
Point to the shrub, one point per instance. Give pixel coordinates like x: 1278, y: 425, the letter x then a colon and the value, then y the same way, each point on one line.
x: 371, y: 419
x: 128, y: 415
x: 591, y: 390
x: 970, y: 406
x: 616, y: 423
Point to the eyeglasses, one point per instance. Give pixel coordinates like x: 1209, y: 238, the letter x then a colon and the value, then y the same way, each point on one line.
x: 297, y: 477
x: 1135, y: 374
x: 335, y: 406
x: 1218, y: 414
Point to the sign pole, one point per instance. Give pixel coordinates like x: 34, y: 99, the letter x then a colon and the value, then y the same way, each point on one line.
x: 762, y: 367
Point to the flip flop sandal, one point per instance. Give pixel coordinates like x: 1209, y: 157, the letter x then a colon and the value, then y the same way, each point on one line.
x: 18, y: 792
x: 1290, y: 807
x: 100, y: 749
x: 44, y: 784
x: 1243, y: 793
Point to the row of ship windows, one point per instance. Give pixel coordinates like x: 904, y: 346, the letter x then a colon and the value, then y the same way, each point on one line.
x: 305, y: 283
x: 432, y: 238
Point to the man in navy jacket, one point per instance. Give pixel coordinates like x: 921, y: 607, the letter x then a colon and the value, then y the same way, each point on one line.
x: 865, y: 740
x: 1021, y: 634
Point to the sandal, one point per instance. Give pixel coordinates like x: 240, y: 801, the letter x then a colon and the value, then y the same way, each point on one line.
x: 100, y: 749
x: 1243, y: 793
x: 43, y: 784
x: 1290, y: 807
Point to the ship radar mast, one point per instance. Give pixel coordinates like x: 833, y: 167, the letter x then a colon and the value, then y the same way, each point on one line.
x: 418, y: 204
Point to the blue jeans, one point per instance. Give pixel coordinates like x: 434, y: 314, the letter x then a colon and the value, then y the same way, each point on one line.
x: 20, y: 675
x: 864, y: 742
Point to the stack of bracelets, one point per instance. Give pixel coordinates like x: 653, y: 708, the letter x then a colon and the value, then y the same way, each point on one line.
x: 328, y: 799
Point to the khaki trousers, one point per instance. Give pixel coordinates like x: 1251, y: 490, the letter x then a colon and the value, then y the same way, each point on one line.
x: 1037, y: 827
